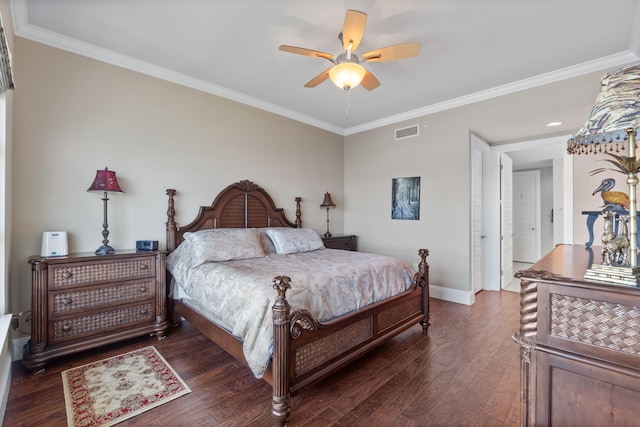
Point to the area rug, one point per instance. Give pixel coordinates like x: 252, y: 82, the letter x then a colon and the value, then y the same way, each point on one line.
x: 109, y: 391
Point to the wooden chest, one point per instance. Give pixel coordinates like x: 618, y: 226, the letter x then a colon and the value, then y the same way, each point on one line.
x: 83, y: 301
x: 580, y: 344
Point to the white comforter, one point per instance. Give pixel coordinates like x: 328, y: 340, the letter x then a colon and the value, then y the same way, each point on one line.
x: 326, y: 282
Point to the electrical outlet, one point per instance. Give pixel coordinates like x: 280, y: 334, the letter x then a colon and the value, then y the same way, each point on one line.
x: 15, y: 322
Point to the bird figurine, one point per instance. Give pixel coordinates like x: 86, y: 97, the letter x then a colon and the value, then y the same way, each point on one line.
x: 612, y: 199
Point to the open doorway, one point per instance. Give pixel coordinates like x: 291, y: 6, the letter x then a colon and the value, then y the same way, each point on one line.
x: 530, y: 155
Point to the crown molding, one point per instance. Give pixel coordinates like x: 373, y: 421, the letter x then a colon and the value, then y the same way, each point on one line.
x: 600, y: 64
x: 23, y: 29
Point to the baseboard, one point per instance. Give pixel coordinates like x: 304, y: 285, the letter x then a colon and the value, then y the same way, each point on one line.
x: 17, y: 347
x: 451, y: 295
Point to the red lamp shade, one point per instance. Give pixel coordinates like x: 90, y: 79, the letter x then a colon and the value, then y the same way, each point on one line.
x: 105, y: 180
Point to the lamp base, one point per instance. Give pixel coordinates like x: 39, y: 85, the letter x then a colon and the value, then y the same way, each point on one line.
x: 620, y: 275
x: 327, y: 234
x: 105, y: 250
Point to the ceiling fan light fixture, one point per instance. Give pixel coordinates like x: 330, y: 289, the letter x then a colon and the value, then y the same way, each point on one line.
x: 347, y: 75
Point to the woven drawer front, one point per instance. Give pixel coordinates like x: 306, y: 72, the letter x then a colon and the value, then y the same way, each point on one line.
x: 99, y: 322
x: 599, y: 323
x: 75, y: 274
x: 96, y: 296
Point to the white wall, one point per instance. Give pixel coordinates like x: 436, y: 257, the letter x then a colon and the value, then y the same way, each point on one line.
x: 74, y: 115
x: 373, y: 159
x: 440, y: 155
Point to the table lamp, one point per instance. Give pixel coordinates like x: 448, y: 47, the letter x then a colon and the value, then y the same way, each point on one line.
x: 106, y: 182
x: 327, y: 203
x: 613, y: 121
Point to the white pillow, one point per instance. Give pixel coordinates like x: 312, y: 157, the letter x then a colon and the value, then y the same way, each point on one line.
x: 267, y: 243
x: 224, y: 244
x: 294, y: 240
x: 179, y: 262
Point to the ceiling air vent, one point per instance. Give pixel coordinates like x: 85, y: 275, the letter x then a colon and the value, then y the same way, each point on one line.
x: 407, y: 132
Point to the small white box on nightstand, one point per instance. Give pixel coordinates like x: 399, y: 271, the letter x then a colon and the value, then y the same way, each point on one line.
x: 54, y: 243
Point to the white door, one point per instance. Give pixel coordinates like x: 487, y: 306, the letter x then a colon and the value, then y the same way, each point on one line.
x: 526, y: 213
x: 478, y: 239
x: 506, y: 219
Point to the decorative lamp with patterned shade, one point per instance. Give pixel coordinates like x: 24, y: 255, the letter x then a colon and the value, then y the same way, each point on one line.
x: 614, y: 121
x: 106, y: 182
x: 327, y: 203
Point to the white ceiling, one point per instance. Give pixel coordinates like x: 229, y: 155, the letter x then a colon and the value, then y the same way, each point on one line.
x: 470, y: 50
x: 537, y: 157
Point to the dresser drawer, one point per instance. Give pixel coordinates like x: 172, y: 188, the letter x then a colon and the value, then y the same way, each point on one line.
x: 98, y: 322
x: 68, y: 301
x: 77, y: 274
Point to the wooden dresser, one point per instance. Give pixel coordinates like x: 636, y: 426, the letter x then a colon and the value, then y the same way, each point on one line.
x: 579, y: 344
x: 346, y: 242
x: 84, y: 300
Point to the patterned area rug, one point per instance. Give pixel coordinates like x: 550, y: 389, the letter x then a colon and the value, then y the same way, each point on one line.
x: 112, y: 390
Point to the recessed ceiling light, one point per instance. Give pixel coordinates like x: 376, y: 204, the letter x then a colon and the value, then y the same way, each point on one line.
x: 553, y: 124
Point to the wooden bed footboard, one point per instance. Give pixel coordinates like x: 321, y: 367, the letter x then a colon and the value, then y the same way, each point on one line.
x: 306, y: 351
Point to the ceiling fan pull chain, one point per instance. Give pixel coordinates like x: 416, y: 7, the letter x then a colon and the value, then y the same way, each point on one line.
x: 348, y: 102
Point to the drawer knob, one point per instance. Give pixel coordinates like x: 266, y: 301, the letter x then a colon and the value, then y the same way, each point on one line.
x: 66, y: 301
x: 144, y: 311
x: 144, y: 267
x: 143, y: 289
x: 66, y: 328
x: 67, y: 275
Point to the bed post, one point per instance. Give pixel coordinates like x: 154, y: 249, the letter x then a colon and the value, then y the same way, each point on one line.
x: 423, y: 268
x: 171, y: 222
x: 281, y: 404
x: 298, y: 213
x: 171, y: 245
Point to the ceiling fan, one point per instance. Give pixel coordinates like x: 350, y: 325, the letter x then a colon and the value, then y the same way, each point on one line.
x: 347, y: 71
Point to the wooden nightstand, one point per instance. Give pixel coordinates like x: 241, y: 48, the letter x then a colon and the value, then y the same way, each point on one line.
x: 81, y: 301
x: 346, y: 242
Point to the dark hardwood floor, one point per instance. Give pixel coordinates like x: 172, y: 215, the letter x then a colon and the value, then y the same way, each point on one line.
x: 465, y: 372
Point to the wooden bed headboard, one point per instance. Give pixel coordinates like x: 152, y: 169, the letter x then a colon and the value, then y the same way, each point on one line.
x: 240, y: 205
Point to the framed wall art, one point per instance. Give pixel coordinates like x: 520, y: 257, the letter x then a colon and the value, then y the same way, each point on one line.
x: 405, y: 198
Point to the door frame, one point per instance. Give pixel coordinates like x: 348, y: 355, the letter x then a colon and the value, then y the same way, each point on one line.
x: 506, y: 220
x: 492, y: 203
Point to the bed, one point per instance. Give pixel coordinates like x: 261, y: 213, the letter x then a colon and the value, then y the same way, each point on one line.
x: 306, y: 338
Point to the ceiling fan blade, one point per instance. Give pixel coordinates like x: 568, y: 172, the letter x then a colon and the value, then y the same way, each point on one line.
x: 392, y: 53
x: 353, y: 29
x: 369, y: 82
x: 305, y: 52
x: 318, y: 79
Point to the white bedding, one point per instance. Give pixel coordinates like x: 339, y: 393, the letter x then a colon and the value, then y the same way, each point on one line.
x: 326, y: 282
